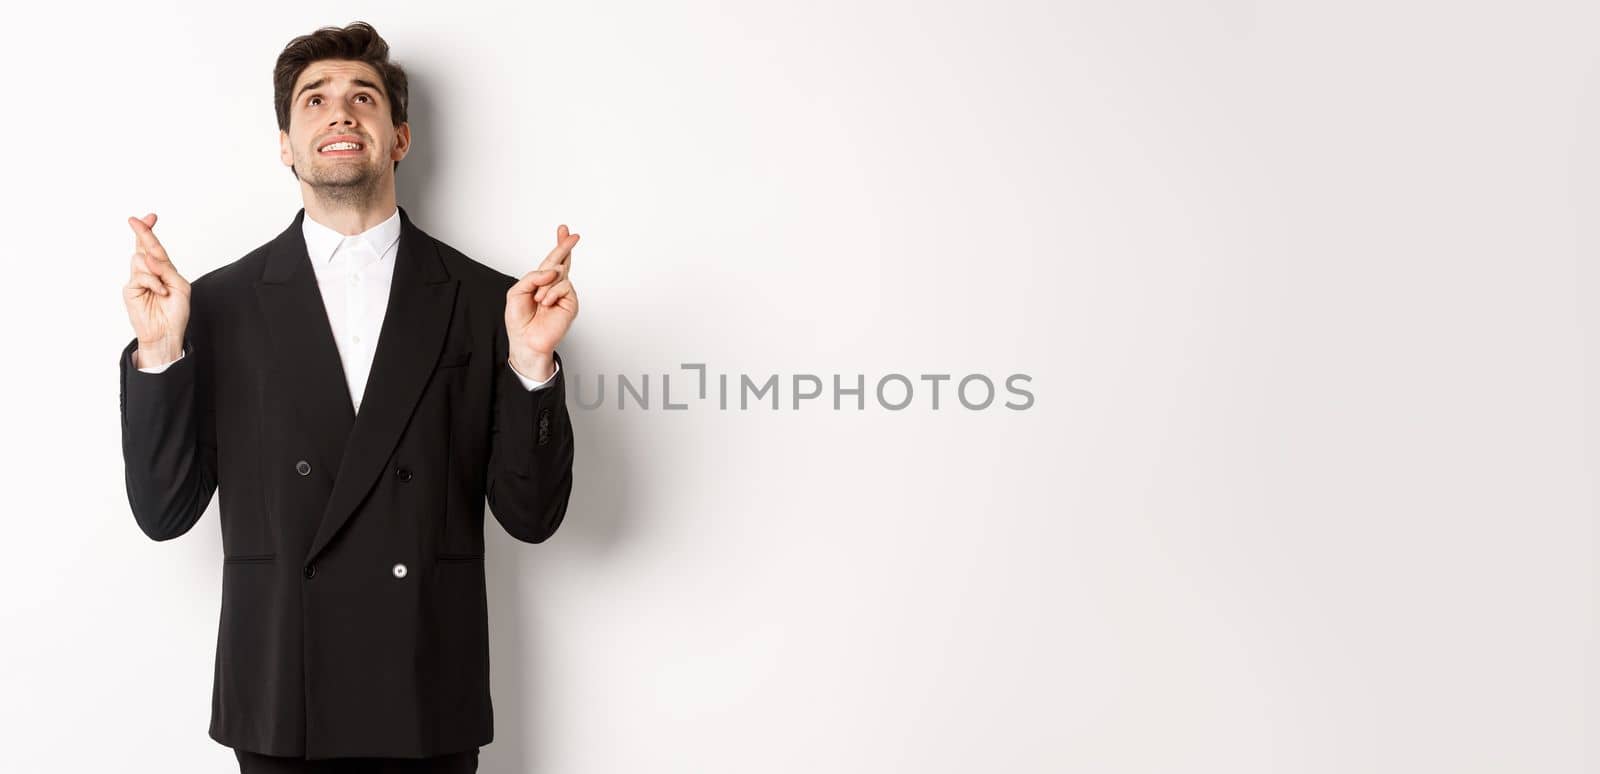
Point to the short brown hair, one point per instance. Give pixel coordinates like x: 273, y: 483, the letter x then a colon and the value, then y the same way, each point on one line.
x: 358, y: 42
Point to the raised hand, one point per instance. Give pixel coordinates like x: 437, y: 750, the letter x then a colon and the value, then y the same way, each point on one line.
x: 157, y: 297
x: 540, y: 308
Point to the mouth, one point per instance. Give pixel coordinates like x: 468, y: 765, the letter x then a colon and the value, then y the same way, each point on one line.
x: 341, y: 148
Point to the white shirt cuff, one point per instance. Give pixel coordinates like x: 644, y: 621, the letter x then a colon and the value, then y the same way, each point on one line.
x: 155, y: 369
x: 531, y: 384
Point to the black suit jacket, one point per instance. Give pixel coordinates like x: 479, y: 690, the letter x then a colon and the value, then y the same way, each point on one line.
x: 353, y: 615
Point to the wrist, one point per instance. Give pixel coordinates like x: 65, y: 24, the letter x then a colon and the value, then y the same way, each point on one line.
x: 538, y: 366
x: 158, y: 352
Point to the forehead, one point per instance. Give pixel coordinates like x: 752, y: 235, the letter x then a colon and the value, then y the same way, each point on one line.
x: 338, y: 72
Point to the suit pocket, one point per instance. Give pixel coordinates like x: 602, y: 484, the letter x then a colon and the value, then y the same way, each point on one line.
x: 246, y: 558
x: 454, y: 359
x: 444, y: 557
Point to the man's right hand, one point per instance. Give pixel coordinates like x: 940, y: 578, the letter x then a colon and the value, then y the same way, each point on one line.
x: 157, y: 298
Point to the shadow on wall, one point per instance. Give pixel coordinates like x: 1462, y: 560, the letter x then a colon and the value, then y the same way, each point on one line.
x: 595, y: 522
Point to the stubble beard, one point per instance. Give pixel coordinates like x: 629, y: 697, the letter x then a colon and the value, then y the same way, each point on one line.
x: 343, y: 184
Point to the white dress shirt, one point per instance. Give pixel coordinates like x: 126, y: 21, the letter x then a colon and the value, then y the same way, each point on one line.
x: 354, y: 274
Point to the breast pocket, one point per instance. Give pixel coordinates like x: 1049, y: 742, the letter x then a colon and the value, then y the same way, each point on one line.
x: 454, y: 359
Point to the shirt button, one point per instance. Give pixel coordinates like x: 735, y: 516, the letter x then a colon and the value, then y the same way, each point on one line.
x: 303, y: 468
x: 355, y: 339
x: 355, y: 279
x: 399, y: 570
x: 309, y: 571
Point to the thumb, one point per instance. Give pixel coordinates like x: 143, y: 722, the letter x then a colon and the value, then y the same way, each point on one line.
x: 530, y: 281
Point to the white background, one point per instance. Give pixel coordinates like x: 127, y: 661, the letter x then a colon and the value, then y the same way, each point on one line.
x: 1305, y: 290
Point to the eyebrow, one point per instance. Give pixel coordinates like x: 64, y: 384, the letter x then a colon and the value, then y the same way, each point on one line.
x: 318, y: 83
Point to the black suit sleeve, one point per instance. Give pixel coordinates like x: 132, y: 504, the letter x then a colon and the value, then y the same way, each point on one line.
x: 169, y: 443
x: 531, y: 453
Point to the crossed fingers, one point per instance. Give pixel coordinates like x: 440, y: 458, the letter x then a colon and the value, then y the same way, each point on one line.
x: 151, y: 267
x: 549, y: 282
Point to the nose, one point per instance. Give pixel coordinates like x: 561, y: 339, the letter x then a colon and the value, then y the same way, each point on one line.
x: 340, y: 115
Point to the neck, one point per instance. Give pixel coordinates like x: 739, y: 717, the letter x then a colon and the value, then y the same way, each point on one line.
x: 348, y: 210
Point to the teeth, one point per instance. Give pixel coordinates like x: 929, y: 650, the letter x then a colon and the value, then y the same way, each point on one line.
x: 341, y: 146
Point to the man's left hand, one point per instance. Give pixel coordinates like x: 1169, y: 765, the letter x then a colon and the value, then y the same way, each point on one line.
x: 540, y: 308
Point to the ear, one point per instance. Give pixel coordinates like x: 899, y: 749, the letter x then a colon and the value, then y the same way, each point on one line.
x: 285, y: 152
x: 402, y: 142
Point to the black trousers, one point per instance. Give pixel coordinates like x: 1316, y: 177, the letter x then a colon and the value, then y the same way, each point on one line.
x: 453, y: 763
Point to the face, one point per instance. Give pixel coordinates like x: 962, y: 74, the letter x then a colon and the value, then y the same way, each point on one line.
x: 341, y: 100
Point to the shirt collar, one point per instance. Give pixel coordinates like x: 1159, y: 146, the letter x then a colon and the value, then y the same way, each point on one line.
x: 322, y: 242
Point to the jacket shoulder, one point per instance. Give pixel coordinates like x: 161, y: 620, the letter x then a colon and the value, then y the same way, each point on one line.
x: 233, y: 276
x: 475, y: 276
x: 226, y: 287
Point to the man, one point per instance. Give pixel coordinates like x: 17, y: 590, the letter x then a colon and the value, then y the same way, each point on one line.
x: 355, y: 389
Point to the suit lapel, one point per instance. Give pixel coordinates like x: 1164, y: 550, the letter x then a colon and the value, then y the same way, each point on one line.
x: 415, y: 321
x: 302, y: 353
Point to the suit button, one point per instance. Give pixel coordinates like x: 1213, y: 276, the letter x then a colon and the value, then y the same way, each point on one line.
x: 309, y: 571
x: 402, y: 474
x: 303, y: 468
x: 399, y: 571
